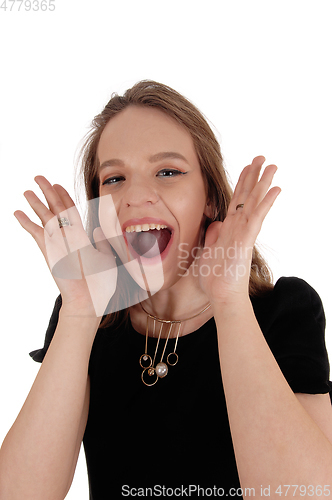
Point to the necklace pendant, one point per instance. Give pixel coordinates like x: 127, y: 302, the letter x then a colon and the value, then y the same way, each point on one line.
x: 161, y: 370
x: 152, y: 377
x: 145, y: 361
x: 151, y: 374
x: 172, y: 358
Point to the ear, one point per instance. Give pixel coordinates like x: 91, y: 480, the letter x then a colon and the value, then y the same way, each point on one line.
x: 209, y: 210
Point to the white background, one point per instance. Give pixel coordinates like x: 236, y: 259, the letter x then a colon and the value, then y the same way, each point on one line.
x: 259, y: 70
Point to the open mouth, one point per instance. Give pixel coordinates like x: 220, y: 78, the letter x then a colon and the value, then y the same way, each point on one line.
x: 143, y: 238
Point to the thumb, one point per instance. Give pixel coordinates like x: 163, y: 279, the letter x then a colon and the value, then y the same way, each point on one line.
x: 212, y: 233
x: 101, y: 241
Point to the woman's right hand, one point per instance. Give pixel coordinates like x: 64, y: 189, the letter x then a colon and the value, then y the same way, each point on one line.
x: 86, y: 276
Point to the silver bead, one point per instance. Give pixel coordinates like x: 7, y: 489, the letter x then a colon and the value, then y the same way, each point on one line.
x: 161, y: 370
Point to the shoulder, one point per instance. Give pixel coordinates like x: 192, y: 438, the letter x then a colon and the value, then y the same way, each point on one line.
x: 292, y: 319
x: 293, y: 300
x: 291, y: 288
x: 294, y: 289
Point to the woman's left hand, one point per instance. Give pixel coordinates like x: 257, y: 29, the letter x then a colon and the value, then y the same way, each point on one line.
x: 225, y: 262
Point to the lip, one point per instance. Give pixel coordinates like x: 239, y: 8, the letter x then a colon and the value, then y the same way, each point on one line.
x: 148, y: 220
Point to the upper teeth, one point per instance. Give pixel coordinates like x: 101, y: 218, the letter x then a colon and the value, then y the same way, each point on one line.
x: 144, y: 227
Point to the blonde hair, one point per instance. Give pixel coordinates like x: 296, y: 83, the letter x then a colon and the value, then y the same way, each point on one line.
x: 218, y: 189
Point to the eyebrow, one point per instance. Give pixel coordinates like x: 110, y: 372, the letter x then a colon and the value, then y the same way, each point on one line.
x: 166, y: 155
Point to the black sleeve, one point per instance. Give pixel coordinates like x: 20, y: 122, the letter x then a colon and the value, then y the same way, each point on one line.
x: 39, y: 354
x: 293, y: 322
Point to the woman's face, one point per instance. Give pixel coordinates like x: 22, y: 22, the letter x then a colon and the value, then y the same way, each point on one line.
x: 150, y: 171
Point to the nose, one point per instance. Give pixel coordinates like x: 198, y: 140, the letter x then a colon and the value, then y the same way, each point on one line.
x: 140, y: 193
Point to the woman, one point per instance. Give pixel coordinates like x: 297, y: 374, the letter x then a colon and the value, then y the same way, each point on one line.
x: 180, y: 366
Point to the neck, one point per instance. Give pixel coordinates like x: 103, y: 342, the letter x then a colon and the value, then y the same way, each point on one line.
x: 179, y: 302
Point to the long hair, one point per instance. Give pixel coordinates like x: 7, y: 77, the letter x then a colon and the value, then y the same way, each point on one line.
x: 219, y: 192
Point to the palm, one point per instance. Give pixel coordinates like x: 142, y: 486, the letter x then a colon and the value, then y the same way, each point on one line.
x: 226, y: 260
x: 86, y: 276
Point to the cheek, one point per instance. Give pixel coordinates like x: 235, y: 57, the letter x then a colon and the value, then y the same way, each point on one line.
x: 192, y: 223
x: 109, y: 221
x: 191, y: 209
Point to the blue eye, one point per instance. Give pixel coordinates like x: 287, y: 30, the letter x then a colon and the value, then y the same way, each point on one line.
x: 113, y: 180
x: 167, y: 172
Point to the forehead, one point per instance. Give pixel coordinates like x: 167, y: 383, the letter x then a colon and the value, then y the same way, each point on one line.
x: 144, y: 131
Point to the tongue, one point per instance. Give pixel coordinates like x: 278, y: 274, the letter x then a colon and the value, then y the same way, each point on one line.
x: 144, y: 243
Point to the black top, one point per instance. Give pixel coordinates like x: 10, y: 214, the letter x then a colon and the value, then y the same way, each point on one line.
x: 176, y: 433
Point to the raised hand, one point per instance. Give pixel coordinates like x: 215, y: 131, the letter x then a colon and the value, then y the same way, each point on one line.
x: 224, y: 265
x: 86, y: 276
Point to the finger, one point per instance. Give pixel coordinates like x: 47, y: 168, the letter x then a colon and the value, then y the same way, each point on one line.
x: 53, y: 199
x: 41, y: 210
x: 64, y: 195
x: 247, y: 181
x: 260, y: 190
x: 263, y: 209
x: 36, y: 231
x: 101, y: 242
x: 69, y: 204
x: 251, y: 178
x: 52, y: 254
x: 241, y: 180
